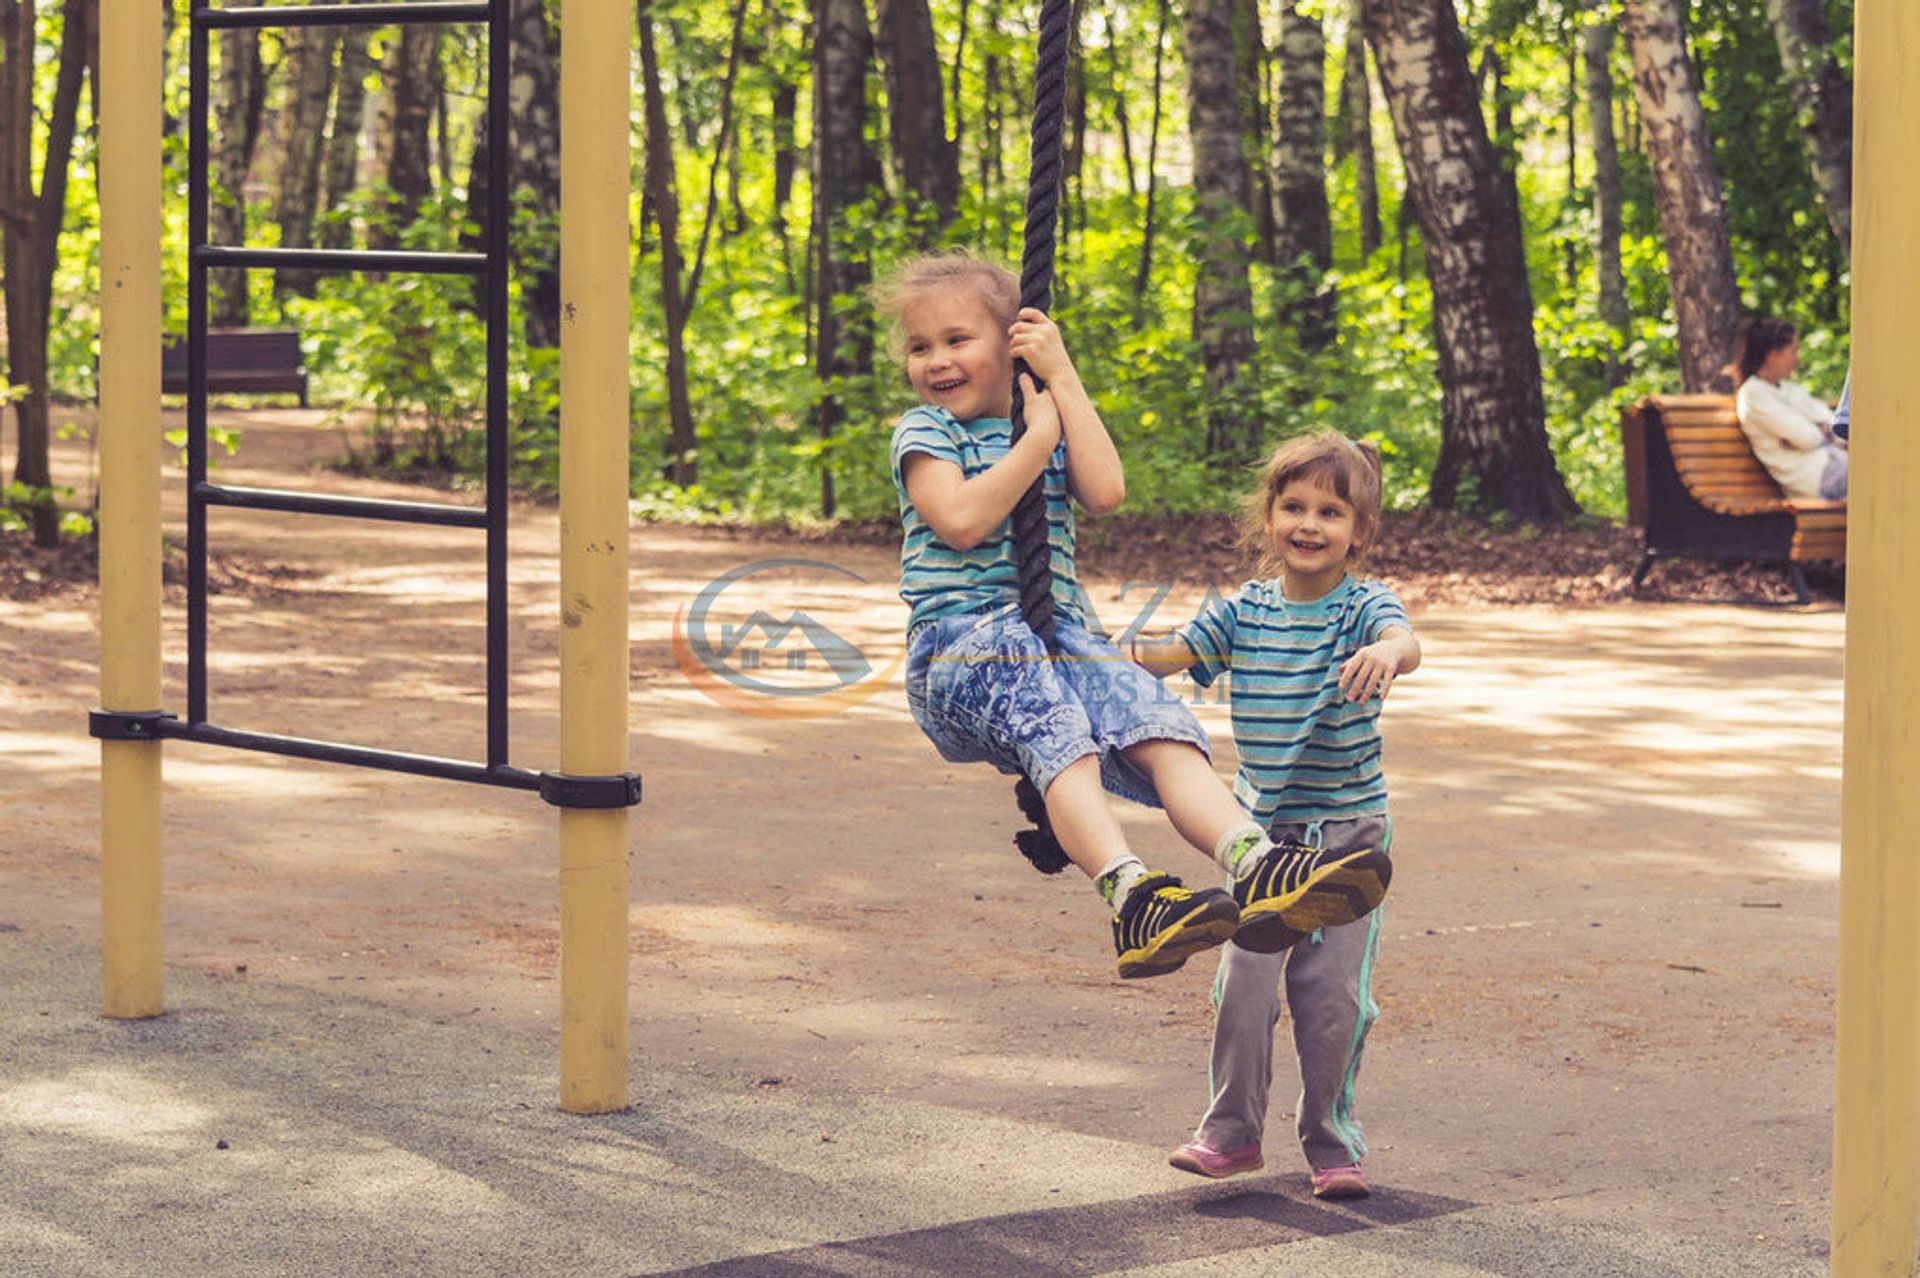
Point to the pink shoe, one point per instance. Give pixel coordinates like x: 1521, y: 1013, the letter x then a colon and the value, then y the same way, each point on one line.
x: 1340, y: 1182
x: 1203, y: 1160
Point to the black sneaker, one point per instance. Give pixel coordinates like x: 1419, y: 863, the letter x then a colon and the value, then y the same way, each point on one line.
x: 1161, y: 924
x: 1295, y: 888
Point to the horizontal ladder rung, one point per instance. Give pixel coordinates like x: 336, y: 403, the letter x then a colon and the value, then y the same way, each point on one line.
x: 399, y: 512
x: 425, y: 765
x: 341, y: 15
x: 341, y: 260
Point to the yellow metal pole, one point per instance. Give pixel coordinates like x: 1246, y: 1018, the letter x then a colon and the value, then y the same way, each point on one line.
x: 1876, y: 1136
x: 594, y: 88
x: 130, y: 43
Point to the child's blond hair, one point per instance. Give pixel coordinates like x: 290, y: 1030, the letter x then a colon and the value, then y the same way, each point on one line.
x: 1331, y: 460
x: 994, y: 284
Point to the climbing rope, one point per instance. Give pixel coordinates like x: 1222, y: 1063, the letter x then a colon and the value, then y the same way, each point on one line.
x: 1033, y: 550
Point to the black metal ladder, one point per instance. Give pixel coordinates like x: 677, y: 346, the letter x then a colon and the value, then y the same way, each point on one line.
x: 490, y: 267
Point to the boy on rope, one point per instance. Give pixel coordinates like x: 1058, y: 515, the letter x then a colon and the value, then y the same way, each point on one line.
x: 1313, y: 652
x: 1079, y: 720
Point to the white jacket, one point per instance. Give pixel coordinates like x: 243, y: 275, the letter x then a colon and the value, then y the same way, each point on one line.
x: 1786, y: 423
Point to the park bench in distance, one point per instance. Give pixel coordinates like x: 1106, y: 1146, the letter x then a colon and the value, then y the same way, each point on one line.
x: 1697, y: 491
x: 245, y: 361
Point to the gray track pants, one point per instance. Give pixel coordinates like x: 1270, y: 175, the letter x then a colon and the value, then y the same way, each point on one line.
x: 1329, y: 991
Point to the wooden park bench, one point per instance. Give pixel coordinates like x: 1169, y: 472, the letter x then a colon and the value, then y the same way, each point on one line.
x: 246, y: 361
x: 1696, y: 490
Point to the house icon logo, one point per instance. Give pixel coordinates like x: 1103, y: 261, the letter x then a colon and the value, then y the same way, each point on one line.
x: 749, y: 652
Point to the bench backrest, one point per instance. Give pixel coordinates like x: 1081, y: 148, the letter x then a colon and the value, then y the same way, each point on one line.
x: 239, y: 350
x: 1709, y: 452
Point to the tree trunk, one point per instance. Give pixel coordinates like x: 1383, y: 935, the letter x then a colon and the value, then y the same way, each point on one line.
x: 240, y: 84
x: 844, y: 170
x: 534, y: 105
x: 309, y: 81
x: 1493, y: 72
x: 1117, y: 90
x: 665, y: 201
x: 1303, y: 230
x: 1249, y: 76
x: 1356, y: 133
x: 1073, y: 146
x: 343, y: 138
x: 1823, y: 99
x: 409, y: 111
x: 1223, y: 293
x: 1686, y: 187
x: 722, y: 147
x: 1493, y: 438
x: 1143, y: 277
x: 927, y: 164
x: 953, y: 84
x: 1597, y: 47
x: 786, y: 162
x: 30, y: 226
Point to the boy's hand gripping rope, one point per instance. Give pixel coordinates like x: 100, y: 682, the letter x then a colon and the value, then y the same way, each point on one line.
x: 1033, y: 550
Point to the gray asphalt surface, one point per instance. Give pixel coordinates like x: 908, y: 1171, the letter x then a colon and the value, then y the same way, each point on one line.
x: 258, y: 1130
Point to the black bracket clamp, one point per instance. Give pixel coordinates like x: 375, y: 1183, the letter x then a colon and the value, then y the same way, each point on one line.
x: 128, y: 725
x: 562, y: 791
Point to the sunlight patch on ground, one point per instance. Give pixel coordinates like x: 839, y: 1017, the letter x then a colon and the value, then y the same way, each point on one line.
x: 729, y: 927
x: 1820, y: 859
x: 106, y: 1105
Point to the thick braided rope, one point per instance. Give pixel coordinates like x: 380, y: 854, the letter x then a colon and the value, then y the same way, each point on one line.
x: 1032, y: 550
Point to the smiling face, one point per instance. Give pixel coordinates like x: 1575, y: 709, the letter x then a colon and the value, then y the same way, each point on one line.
x: 1311, y: 528
x: 957, y: 355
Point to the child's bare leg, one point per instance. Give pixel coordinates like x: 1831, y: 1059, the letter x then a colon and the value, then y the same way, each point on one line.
x: 1157, y: 924
x: 1082, y: 818
x: 1198, y: 803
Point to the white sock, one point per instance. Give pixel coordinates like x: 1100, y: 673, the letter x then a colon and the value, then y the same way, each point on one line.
x: 1239, y: 849
x: 1117, y: 877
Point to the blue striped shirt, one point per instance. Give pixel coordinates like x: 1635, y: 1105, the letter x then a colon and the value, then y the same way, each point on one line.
x: 937, y: 580
x: 1306, y: 752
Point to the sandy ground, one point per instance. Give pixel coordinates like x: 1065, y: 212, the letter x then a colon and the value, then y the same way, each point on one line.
x: 1607, y: 974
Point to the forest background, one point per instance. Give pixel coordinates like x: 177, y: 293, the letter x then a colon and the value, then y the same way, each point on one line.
x: 1471, y: 233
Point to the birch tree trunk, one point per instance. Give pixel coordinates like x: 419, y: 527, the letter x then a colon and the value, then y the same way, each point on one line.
x: 239, y: 85
x: 1596, y: 39
x: 786, y: 163
x: 1686, y: 187
x: 409, y: 111
x: 309, y: 82
x: 343, y: 137
x: 928, y: 165
x: 844, y: 170
x: 534, y: 106
x: 1303, y: 229
x: 30, y: 224
x: 1493, y: 439
x: 1143, y: 276
x: 1823, y: 99
x: 665, y: 202
x: 1249, y: 75
x: 1355, y: 136
x: 1223, y: 293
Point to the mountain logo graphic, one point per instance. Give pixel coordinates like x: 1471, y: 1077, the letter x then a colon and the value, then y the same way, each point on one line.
x: 821, y: 672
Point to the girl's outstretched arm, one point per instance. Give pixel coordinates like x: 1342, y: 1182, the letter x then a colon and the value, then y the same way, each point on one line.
x: 1161, y: 657
x: 961, y: 511
x: 1095, y: 476
x: 1371, y: 671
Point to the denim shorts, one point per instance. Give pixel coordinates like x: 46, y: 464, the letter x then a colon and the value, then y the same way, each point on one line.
x: 984, y: 689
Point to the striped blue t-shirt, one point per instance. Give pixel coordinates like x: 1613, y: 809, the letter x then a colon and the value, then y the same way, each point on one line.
x: 1306, y: 752
x: 935, y: 579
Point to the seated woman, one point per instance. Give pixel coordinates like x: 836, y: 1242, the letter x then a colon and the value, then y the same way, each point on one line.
x: 1790, y: 429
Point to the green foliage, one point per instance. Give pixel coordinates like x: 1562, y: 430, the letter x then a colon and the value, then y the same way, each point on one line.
x: 402, y: 358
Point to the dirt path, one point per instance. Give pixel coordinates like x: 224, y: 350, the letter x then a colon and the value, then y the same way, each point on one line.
x: 1607, y: 975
